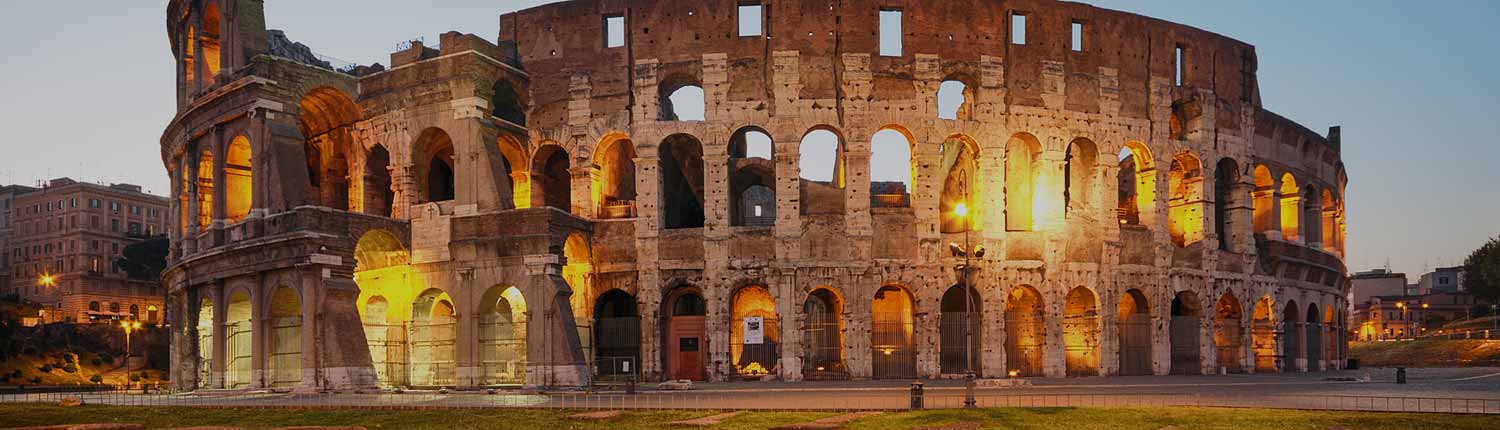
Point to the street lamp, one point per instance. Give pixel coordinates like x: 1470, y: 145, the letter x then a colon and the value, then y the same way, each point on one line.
x: 46, y: 280
x: 962, y: 211
x: 130, y: 327
x: 1404, y: 322
x: 1424, y: 317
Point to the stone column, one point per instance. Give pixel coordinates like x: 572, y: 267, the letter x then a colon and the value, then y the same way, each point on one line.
x: 788, y: 230
x: 260, y: 347
x: 311, y: 299
x: 189, y: 169
x: 554, y: 351
x: 220, y: 362
x: 217, y: 146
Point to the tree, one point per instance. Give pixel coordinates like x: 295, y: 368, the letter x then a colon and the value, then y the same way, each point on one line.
x: 1482, y: 271
x: 145, y: 260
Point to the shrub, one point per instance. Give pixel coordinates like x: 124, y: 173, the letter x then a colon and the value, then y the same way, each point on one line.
x: 45, y: 368
x: 135, y: 377
x: 70, y: 368
x: 36, y: 380
x: 96, y: 362
x: 96, y: 379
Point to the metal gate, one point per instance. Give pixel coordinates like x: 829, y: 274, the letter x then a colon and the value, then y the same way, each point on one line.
x: 822, y: 349
x: 759, y: 359
x: 387, y: 352
x: 502, y: 350
x: 1314, y: 345
x: 1135, y: 345
x: 237, y: 341
x: 430, y: 357
x: 205, y: 357
x: 1081, y: 355
x: 891, y: 352
x: 954, y: 357
x: 1185, y: 343
x: 1293, y: 349
x: 1227, y: 345
x: 1023, y: 343
x: 286, y: 351
x: 1263, y: 341
x: 617, y: 346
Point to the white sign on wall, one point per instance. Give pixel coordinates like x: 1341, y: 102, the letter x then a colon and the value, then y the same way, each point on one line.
x: 755, y: 332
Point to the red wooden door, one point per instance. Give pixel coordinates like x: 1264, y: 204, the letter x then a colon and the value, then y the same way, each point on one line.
x: 685, y: 337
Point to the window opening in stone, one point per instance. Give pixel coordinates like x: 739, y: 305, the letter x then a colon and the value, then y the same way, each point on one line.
x: 614, y: 31
x: 952, y: 99
x: 1077, y: 41
x: 1018, y: 29
x: 890, y: 33
x: 821, y: 173
x: 890, y: 169
x: 1177, y: 64
x: 750, y: 20
x: 681, y: 167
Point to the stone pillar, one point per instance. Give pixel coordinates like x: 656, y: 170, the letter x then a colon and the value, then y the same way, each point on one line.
x: 260, y: 339
x: 310, y: 298
x: 1054, y: 350
x: 217, y: 145
x: 554, y: 352
x: 788, y: 229
x: 189, y: 169
x: 581, y: 184
x: 467, y: 363
x: 220, y: 362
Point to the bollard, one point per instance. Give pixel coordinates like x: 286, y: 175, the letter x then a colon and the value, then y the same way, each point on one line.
x: 1400, y: 375
x: 916, y: 395
x: 630, y: 385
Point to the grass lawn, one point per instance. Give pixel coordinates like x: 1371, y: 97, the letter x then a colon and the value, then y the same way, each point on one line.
x: 12, y: 415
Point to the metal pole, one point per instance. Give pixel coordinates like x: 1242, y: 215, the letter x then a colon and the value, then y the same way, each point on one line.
x: 127, y: 357
x: 968, y: 313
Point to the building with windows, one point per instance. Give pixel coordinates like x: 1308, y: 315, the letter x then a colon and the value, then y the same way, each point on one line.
x: 63, y: 245
x: 8, y: 194
x: 1442, y: 280
x: 553, y: 205
x: 1379, y: 282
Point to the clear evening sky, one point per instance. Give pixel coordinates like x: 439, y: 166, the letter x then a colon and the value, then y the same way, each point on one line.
x: 87, y: 87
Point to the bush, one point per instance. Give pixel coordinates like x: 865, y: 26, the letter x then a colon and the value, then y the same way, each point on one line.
x: 45, y: 368
x: 97, y: 379
x: 135, y: 377
x: 70, y: 368
x: 36, y: 380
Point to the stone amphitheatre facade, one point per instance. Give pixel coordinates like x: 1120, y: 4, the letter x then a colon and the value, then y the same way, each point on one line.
x: 532, y: 209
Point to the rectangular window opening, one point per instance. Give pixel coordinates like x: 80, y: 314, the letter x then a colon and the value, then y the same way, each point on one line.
x: 1018, y: 29
x: 614, y: 31
x: 1177, y: 61
x: 890, y: 33
x: 750, y: 20
x: 1077, y: 36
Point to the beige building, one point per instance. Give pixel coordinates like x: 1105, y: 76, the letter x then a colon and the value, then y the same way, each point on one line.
x: 63, y: 245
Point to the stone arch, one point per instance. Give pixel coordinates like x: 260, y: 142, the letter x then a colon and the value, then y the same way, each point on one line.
x: 507, y: 102
x: 1310, y: 219
x: 238, y: 339
x: 1327, y: 210
x: 1025, y: 331
x: 1333, y: 328
x: 327, y: 120
x: 1185, y: 201
x: 892, y: 333
x: 955, y: 98
x: 685, y: 351
x: 238, y: 179
x: 1022, y: 169
x: 284, y: 308
x: 1226, y: 177
x: 551, y: 177
x: 682, y: 181
x: 578, y: 258
x: 1292, y: 342
x: 1136, y: 183
x: 1313, y: 353
x: 821, y: 149
x: 1291, y: 197
x: 1263, y: 334
x: 962, y: 315
x: 1078, y: 178
x: 892, y: 167
x: 1263, y: 199
x: 1187, y: 314
x: 205, y: 190
x: 205, y: 328
x: 751, y: 306
x: 379, y: 196
x: 614, y: 186
x: 434, y: 157
x: 209, y: 42
x: 961, y: 184
x: 431, y: 339
x: 1081, y: 332
x: 617, y: 333
x: 502, y: 315
x: 752, y: 178
x: 1133, y: 315
x: 823, y: 334
x: 1228, y: 331
x: 679, y: 94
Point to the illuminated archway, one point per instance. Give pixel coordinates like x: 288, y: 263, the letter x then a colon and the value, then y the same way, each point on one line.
x: 961, y: 162
x: 615, y: 184
x: 1228, y: 347
x: 1313, y: 353
x: 237, y: 180
x: 617, y: 334
x: 754, y: 332
x: 1185, y: 201
x: 553, y: 177
x: 681, y: 168
x: 1291, y: 197
x: 1333, y: 331
x: 1226, y: 176
x: 1187, y: 313
x: 1025, y: 331
x: 514, y: 164
x: 205, y: 190
x: 1022, y: 168
x: 209, y: 41
x: 237, y: 340
x: 286, y: 337
x: 822, y: 335
x: 1081, y: 332
x: 1291, y: 326
x: 1327, y: 211
x: 431, y: 340
x: 502, y: 336
x: 205, y: 329
x: 820, y: 164
x: 1078, y: 178
x: 1264, y: 199
x: 327, y: 121
x: 962, y: 315
x: 435, y: 162
x: 387, y: 351
x: 1134, y: 318
x: 892, y: 324
x: 1263, y: 335
x: 1135, y: 184
x: 752, y: 178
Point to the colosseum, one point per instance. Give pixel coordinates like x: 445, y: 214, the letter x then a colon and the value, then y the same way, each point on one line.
x: 557, y: 206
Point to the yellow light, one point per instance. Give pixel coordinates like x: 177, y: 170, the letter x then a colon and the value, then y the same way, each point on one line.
x: 962, y: 210
x: 151, y: 308
x: 46, y: 280
x: 1424, y: 306
x: 1013, y: 373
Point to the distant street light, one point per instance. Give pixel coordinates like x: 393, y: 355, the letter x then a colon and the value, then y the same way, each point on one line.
x: 129, y: 326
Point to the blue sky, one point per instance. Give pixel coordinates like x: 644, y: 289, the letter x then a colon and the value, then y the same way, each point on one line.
x: 86, y: 94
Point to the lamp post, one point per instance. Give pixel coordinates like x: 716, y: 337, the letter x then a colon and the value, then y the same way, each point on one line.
x: 1424, y: 318
x: 130, y: 327
x: 962, y: 211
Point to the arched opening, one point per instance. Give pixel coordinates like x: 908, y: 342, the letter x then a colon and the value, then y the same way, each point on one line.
x: 680, y: 99
x: 237, y: 180
x: 286, y: 337
x: 205, y: 190
x: 1333, y: 330
x: 1022, y: 166
x: 1314, y: 351
x: 186, y: 173
x: 1187, y: 313
x: 327, y: 121
x: 1263, y: 199
x: 1291, y: 197
x: 434, y: 157
x: 514, y: 164
x: 1263, y: 335
x: 616, y: 180
x: 754, y: 333
x: 1078, y: 178
x: 1081, y: 332
x: 431, y: 340
x: 1292, y: 333
x: 1311, y: 218
x: 1136, y: 183
x: 617, y: 334
x: 821, y: 165
x: 1185, y: 205
x: 681, y: 158
x: 961, y: 161
x: 953, y: 100
x: 1227, y: 333
x: 892, y: 324
x: 1134, y: 318
x: 209, y: 40
x: 237, y: 340
x: 685, y: 347
x: 507, y: 103
x: 1226, y: 175
x: 379, y: 196
x: 752, y: 179
x: 891, y: 168
x: 189, y: 58
x: 823, y: 336
x: 1025, y: 331
x: 1328, y: 211
x: 384, y: 339
x: 205, y: 329
x: 960, y: 333
x: 502, y: 336
x: 553, y: 178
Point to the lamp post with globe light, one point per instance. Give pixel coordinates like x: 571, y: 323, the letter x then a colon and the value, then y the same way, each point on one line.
x: 130, y: 327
